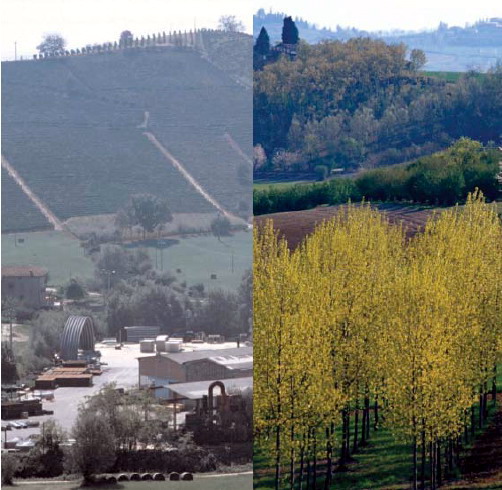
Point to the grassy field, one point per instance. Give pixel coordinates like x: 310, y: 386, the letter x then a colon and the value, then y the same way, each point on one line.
x: 278, y: 185
x: 57, y: 251
x: 213, y: 482
x: 449, y: 76
x: 200, y: 256
x: 196, y: 256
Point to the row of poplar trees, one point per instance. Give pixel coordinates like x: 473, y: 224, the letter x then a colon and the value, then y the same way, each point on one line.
x: 362, y: 320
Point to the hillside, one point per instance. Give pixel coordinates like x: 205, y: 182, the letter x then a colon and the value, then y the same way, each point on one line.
x: 362, y: 104
x: 72, y: 128
x: 449, y: 48
x: 17, y: 208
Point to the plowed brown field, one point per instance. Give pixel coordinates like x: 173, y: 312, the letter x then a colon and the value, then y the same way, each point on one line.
x: 296, y: 225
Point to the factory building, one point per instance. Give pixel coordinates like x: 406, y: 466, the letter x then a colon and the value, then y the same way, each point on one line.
x: 166, y: 368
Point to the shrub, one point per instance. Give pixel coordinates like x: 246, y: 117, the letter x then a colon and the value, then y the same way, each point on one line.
x: 9, y: 468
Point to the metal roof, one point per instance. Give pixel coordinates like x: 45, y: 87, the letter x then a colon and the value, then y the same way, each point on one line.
x: 184, y: 357
x: 195, y: 390
x: 234, y: 362
x: 78, y: 333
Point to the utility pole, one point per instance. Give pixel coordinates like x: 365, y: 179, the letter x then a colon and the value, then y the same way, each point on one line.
x: 10, y: 332
x: 15, y: 50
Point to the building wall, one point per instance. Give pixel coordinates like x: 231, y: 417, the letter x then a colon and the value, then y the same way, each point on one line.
x: 240, y: 373
x: 204, y: 370
x: 29, y: 291
x: 158, y: 368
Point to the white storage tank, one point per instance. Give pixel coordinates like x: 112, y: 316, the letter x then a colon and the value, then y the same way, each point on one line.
x: 160, y: 343
x: 147, y: 346
x: 173, y: 345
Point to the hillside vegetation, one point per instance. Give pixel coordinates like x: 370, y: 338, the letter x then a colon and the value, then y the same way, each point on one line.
x: 443, y: 178
x: 73, y: 129
x: 361, y: 103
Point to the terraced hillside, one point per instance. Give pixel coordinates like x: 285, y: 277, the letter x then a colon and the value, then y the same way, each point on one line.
x: 72, y: 128
x: 17, y: 208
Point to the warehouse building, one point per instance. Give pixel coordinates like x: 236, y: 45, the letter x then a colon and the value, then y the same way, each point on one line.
x: 166, y: 368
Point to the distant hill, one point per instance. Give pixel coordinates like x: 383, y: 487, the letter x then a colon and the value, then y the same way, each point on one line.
x: 73, y: 128
x: 448, y: 48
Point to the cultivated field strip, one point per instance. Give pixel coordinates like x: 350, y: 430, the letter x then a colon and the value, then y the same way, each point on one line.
x: 18, y: 208
x: 294, y: 226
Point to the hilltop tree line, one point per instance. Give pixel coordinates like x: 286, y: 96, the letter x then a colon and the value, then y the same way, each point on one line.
x: 54, y: 44
x: 363, y: 103
x: 406, y: 336
x: 444, y: 178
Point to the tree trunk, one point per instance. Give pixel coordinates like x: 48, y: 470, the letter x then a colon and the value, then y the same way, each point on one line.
x: 363, y: 427
x: 292, y: 458
x: 432, y: 460
x: 494, y: 385
x: 329, y: 451
x: 356, y: 429
x: 415, y: 472
x: 315, y: 460
x: 367, y: 410
x: 302, y: 456
x: 375, y: 415
x: 481, y: 411
x: 344, y: 456
x: 438, y: 463
x: 277, y: 456
x: 423, y: 461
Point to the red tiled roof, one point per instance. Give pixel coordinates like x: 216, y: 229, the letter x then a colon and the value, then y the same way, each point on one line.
x: 23, y: 271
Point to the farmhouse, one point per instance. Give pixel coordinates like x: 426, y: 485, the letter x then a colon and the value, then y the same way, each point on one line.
x: 25, y: 284
x: 166, y: 368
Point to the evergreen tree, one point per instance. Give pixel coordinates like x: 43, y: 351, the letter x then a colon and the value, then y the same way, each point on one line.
x: 262, y: 45
x: 289, y: 31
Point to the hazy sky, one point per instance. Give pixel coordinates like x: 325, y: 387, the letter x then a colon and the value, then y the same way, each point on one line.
x: 84, y: 22
x: 387, y: 14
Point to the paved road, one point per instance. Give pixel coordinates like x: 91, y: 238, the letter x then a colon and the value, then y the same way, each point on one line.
x: 121, y: 368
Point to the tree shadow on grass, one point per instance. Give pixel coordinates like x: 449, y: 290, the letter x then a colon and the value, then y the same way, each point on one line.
x: 153, y: 243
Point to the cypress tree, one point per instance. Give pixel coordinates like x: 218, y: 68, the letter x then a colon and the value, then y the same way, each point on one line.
x: 262, y: 45
x: 289, y: 31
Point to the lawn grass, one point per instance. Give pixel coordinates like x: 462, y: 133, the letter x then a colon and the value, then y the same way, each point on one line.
x: 206, y: 482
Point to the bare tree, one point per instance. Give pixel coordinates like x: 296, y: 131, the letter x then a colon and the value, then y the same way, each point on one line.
x: 230, y: 23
